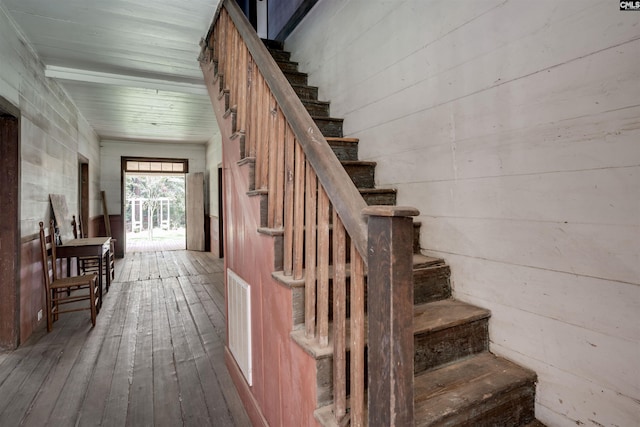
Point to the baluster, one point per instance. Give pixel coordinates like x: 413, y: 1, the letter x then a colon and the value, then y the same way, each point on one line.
x: 289, y: 183
x: 298, y: 229
x: 242, y: 95
x: 272, y: 166
x: 278, y: 207
x: 250, y: 135
x: 323, y: 267
x: 339, y: 319
x: 357, y: 338
x: 311, y: 251
x: 260, y: 130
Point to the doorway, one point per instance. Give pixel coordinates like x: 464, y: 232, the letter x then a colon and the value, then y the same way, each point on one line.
x: 154, y: 208
x: 9, y: 226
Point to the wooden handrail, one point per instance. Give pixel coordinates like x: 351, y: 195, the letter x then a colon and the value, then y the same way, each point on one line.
x: 346, y: 199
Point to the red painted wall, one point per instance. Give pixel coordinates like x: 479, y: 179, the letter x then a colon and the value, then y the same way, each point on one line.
x: 283, y: 390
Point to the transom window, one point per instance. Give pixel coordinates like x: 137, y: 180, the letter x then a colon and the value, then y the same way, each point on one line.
x: 156, y: 165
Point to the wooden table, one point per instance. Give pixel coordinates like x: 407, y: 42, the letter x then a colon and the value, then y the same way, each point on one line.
x: 91, y: 247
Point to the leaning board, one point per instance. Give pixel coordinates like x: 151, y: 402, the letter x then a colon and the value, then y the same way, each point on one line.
x: 62, y: 217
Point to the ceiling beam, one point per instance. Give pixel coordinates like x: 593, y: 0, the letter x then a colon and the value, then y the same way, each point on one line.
x: 74, y: 74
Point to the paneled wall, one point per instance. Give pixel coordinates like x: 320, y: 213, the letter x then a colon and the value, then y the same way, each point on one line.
x: 52, y: 135
x: 513, y: 126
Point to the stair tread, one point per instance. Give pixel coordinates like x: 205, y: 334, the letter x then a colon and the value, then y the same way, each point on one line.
x: 357, y: 162
x: 423, y: 261
x: 456, y: 387
x: 377, y: 190
x: 437, y: 315
x: 342, y: 139
x: 300, y: 85
x: 315, y: 101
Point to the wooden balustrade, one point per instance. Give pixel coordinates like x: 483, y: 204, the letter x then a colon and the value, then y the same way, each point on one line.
x: 310, y: 198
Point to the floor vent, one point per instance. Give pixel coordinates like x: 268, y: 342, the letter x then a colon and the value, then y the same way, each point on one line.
x: 239, y: 312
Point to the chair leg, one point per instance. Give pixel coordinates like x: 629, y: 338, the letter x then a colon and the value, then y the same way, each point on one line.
x: 92, y: 301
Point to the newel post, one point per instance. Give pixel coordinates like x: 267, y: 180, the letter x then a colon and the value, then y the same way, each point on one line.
x: 390, y: 308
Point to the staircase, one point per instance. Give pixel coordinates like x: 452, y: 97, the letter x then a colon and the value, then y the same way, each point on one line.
x: 457, y: 382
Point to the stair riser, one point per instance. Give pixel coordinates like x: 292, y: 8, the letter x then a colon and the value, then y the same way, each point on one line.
x: 280, y: 55
x: 344, y: 151
x: 296, y: 78
x: 306, y: 92
x: 316, y: 109
x: 431, y: 284
x: 437, y: 348
x: 329, y: 127
x: 363, y: 176
x: 287, y: 65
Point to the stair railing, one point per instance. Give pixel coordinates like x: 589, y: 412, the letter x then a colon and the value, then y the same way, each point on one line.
x: 309, y: 194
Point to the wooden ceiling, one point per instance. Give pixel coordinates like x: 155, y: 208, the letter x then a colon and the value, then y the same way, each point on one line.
x: 129, y: 65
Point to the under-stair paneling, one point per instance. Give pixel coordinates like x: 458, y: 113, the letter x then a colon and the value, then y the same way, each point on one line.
x: 513, y: 128
x: 289, y: 396
x: 53, y: 135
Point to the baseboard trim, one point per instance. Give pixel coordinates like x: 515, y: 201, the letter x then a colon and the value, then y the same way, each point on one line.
x: 248, y: 399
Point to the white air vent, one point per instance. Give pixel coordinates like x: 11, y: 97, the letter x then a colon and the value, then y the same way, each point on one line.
x: 239, y: 309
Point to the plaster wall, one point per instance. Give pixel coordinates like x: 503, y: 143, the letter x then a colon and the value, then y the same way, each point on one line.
x: 513, y: 127
x: 53, y: 136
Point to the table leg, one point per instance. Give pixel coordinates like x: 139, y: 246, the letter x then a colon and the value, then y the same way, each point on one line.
x: 108, y: 269
x: 100, y: 279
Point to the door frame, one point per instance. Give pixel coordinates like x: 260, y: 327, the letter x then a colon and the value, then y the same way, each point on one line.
x: 10, y: 233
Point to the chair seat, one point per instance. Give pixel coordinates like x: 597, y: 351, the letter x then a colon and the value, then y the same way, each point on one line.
x: 65, y: 282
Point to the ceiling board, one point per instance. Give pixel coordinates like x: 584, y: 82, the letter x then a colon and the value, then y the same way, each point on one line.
x: 152, y: 39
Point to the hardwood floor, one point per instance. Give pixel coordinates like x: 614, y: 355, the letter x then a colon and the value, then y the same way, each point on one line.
x: 155, y: 357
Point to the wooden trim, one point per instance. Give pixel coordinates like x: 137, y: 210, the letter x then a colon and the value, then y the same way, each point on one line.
x: 343, y: 194
x: 10, y: 250
x: 125, y: 159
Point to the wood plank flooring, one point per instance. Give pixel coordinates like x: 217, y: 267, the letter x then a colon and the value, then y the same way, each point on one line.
x: 155, y: 356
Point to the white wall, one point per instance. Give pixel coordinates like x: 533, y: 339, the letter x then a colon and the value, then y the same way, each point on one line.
x: 513, y: 126
x: 111, y: 153
x: 52, y: 132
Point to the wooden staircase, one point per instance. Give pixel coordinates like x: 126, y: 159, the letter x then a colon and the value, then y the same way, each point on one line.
x: 457, y: 382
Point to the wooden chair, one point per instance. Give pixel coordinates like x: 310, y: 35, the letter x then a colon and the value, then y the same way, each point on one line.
x: 58, y: 290
x: 87, y: 265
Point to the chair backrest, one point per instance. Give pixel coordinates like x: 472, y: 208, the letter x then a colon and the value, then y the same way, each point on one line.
x: 74, y: 227
x: 48, y: 250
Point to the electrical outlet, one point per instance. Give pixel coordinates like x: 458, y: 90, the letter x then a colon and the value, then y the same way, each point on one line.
x: 39, y: 315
